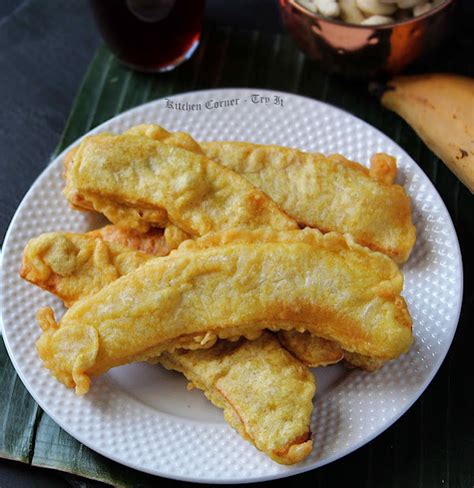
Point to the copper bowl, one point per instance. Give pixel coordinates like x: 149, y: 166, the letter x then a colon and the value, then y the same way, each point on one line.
x: 366, y: 51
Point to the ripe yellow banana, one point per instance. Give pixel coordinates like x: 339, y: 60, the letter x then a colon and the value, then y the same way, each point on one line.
x: 440, y: 108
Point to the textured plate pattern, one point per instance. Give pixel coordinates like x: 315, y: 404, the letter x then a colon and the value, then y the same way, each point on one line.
x: 348, y: 412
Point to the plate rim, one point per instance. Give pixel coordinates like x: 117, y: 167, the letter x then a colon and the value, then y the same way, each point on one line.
x: 294, y: 469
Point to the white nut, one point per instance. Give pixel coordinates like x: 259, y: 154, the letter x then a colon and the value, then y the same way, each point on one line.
x: 328, y: 8
x: 309, y: 4
x: 409, y: 3
x: 375, y: 7
x: 350, y: 12
x: 370, y: 12
x: 422, y: 9
x: 377, y: 20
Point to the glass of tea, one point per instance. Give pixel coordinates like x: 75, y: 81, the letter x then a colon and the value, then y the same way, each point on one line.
x: 150, y: 35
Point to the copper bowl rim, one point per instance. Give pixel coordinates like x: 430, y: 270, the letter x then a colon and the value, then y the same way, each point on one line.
x: 434, y: 11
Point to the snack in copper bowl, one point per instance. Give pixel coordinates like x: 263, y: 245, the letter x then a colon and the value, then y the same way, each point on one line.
x: 371, y: 12
x: 367, y: 38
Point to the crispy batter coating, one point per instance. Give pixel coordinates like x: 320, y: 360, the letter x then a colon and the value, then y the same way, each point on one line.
x: 326, y: 285
x: 87, y: 276
x: 311, y: 350
x: 273, y: 165
x: 265, y: 392
x: 157, y: 133
x: 153, y: 242
x: 383, y: 170
x: 139, y: 182
x: 74, y: 265
x: 367, y: 363
x: 331, y: 194
x: 177, y: 139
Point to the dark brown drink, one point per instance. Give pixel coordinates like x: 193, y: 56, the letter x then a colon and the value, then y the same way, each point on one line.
x: 150, y: 35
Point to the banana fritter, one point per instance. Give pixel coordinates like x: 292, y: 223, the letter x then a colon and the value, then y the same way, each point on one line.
x: 265, y: 392
x: 323, y: 284
x: 328, y: 193
x: 139, y: 182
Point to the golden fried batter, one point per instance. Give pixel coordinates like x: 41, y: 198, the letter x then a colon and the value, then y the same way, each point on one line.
x: 352, y: 360
x: 256, y: 383
x: 383, y: 170
x: 265, y: 392
x: 311, y: 350
x: 153, y: 242
x: 177, y: 139
x: 331, y: 194
x: 87, y: 276
x: 157, y: 133
x: 326, y: 285
x: 308, y: 187
x: 139, y: 182
x: 50, y: 261
x: 74, y: 265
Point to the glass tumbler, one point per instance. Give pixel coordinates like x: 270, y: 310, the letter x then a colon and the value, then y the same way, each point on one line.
x: 150, y: 35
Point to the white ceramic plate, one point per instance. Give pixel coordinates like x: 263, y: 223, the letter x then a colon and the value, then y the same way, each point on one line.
x: 143, y: 416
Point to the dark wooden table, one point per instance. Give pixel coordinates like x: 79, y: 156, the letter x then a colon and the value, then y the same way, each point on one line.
x: 45, y: 47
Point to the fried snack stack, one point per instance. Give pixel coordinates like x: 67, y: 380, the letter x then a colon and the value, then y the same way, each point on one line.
x: 273, y: 409
x: 139, y: 182
x: 333, y: 289
x: 235, y: 376
x: 330, y: 194
x: 201, y: 255
x: 374, y: 210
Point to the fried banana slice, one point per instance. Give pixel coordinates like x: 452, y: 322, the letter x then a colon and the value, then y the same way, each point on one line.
x: 352, y: 360
x: 323, y: 284
x: 140, y: 182
x: 49, y: 261
x: 265, y: 392
x: 315, y: 352
x: 152, y: 131
x: 72, y: 265
x: 154, y: 242
x: 383, y: 170
x: 328, y: 193
x: 311, y: 350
